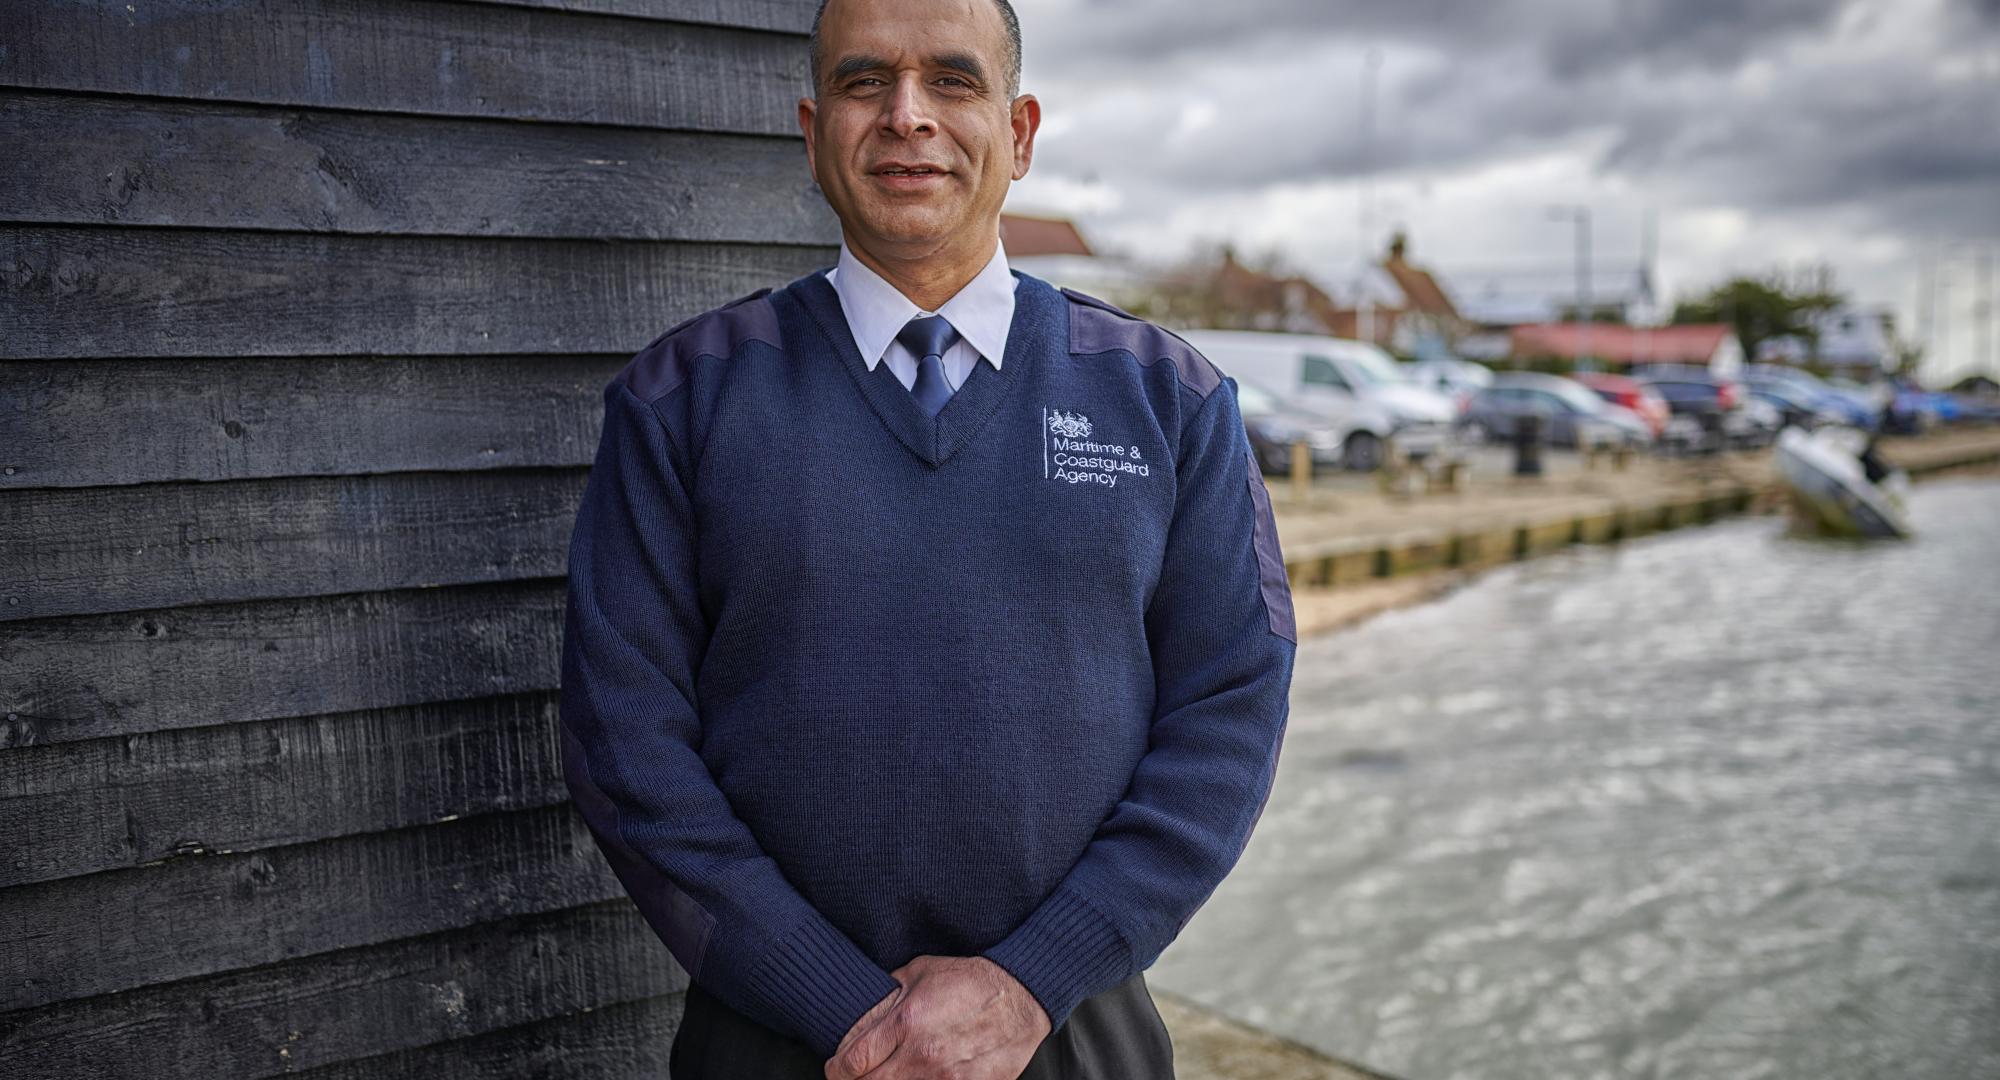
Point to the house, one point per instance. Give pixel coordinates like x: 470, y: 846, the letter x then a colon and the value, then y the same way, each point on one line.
x: 1392, y: 301
x: 1427, y: 319
x: 1712, y: 345
x: 1229, y: 295
x: 1024, y: 235
x: 1855, y: 341
x: 1053, y: 249
x: 1498, y: 299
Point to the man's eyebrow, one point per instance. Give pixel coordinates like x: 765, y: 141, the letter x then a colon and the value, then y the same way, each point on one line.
x: 962, y: 62
x: 955, y: 61
x: 855, y: 65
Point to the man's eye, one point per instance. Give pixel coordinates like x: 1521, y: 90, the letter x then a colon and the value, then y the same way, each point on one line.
x: 954, y: 79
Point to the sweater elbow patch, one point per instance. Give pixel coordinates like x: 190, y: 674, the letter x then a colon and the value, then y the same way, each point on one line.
x: 1271, y: 581
x: 681, y: 923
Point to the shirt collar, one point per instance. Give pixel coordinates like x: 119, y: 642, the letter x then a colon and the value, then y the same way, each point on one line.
x: 981, y: 312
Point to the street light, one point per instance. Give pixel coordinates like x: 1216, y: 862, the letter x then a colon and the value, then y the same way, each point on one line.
x: 1581, y: 215
x: 1371, y: 64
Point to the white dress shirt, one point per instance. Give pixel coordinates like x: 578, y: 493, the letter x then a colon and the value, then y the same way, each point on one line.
x: 981, y: 312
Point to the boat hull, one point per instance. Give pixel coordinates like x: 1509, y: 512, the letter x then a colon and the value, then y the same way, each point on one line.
x: 1831, y: 492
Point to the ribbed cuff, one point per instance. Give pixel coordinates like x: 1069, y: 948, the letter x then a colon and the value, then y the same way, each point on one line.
x: 818, y: 978
x: 1065, y: 952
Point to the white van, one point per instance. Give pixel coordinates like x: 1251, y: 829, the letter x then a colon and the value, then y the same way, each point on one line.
x: 1357, y: 386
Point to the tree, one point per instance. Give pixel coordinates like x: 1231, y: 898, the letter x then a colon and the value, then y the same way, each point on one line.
x: 1761, y: 308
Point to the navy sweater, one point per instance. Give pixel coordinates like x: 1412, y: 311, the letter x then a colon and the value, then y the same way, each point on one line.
x: 844, y: 684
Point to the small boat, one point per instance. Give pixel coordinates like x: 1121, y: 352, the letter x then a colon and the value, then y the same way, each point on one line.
x: 1831, y: 489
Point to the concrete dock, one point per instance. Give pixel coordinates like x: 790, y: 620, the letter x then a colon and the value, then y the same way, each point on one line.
x: 1210, y: 1046
x: 1352, y: 549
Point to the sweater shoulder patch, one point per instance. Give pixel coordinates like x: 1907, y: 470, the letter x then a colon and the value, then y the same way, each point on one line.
x: 1272, y: 583
x: 1099, y: 327
x: 665, y: 361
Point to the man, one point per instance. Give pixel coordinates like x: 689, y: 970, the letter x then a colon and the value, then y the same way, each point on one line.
x: 927, y: 646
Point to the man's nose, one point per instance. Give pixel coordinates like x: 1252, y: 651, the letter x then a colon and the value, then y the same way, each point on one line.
x: 907, y: 110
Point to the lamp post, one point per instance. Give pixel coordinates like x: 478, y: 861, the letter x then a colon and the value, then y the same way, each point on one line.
x: 1370, y: 65
x: 1581, y: 215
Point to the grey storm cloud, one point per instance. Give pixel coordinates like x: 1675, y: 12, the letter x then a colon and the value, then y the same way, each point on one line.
x: 1773, y: 105
x: 1572, y: 38
x: 1986, y: 10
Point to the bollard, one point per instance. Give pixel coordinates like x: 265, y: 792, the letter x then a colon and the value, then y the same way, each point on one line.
x: 1392, y: 473
x: 1621, y: 457
x: 1302, y: 468
x: 1528, y: 445
x: 1453, y: 468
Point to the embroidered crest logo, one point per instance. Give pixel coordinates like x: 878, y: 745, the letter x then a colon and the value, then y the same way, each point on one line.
x: 1070, y: 455
x: 1069, y: 425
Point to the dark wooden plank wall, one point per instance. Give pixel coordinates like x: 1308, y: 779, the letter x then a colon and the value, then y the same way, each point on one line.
x: 305, y: 308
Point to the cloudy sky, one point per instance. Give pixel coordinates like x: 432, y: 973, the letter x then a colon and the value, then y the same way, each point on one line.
x: 1758, y: 133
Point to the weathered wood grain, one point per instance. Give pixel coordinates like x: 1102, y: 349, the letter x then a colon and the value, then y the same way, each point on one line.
x: 616, y: 1042
x: 354, y: 1003
x: 88, y: 160
x: 86, y: 551
x: 103, y: 292
x: 789, y: 15
x: 113, y: 804
x: 418, y: 56
x: 205, y: 914
x: 95, y: 676
x: 245, y: 418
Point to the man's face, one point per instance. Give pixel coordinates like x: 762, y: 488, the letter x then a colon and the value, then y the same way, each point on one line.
x: 913, y: 139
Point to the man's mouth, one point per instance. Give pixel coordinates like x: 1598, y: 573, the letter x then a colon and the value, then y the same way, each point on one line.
x: 908, y: 170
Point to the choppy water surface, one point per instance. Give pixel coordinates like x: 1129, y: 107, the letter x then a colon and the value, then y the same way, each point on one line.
x: 1720, y: 803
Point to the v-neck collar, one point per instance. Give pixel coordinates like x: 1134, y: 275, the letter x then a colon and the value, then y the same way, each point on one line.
x: 934, y: 440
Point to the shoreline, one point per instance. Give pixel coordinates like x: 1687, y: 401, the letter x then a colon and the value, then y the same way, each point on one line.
x: 1342, y: 577
x: 1211, y: 1046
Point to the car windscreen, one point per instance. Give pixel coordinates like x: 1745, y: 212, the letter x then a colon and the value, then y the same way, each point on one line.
x: 1254, y: 400
x: 1781, y: 393
x: 1685, y: 391
x: 1375, y: 368
x: 1577, y: 397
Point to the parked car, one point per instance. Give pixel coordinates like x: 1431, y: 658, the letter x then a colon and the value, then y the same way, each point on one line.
x: 1456, y: 379
x: 1854, y: 410
x: 1354, y: 384
x: 1895, y: 415
x: 1756, y: 423
x: 1570, y: 413
x: 1698, y: 397
x: 1629, y: 393
x: 1274, y: 426
x: 1936, y: 407
x: 1797, y: 407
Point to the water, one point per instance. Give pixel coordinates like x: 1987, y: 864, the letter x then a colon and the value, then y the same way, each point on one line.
x: 1721, y: 803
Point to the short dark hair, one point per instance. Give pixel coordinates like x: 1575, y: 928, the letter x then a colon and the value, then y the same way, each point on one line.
x: 1007, y: 17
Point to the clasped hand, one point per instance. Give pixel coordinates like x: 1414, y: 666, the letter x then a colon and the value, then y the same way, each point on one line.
x: 950, y: 1018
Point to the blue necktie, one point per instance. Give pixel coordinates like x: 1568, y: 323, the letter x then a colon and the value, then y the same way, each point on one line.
x: 928, y: 336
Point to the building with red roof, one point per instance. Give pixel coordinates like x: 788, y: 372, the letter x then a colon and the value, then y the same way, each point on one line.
x: 1023, y: 235
x: 1709, y: 344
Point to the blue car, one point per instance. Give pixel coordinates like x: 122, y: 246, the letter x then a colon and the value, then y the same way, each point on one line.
x: 1854, y: 410
x: 1941, y: 407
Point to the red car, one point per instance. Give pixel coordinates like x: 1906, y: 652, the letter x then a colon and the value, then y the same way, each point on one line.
x: 1632, y: 394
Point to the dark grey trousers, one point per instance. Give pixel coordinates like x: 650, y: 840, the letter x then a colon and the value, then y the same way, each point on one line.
x: 1117, y: 1035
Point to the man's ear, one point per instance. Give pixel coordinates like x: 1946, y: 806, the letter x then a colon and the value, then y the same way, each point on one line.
x: 808, y: 109
x: 1026, y: 118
